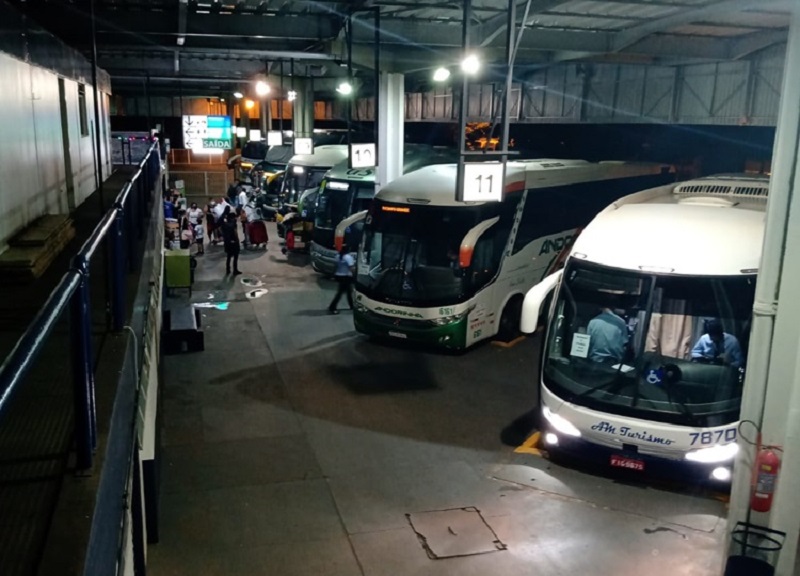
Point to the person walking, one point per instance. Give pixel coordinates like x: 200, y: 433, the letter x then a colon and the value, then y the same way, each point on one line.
x: 230, y: 236
x: 345, y: 266
x: 199, y: 236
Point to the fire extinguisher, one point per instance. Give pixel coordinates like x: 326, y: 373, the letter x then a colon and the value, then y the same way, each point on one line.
x: 765, y: 477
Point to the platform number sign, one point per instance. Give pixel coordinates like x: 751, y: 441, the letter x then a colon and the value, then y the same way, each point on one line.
x: 303, y: 146
x: 362, y: 155
x: 483, y: 181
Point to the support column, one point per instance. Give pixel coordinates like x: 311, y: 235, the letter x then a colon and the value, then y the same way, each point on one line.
x: 303, y: 107
x: 265, y: 117
x: 391, y: 120
x: 772, y: 386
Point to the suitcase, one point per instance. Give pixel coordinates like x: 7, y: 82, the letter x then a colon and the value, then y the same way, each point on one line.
x: 257, y: 231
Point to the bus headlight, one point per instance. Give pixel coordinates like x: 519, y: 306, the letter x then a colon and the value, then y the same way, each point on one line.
x: 560, y: 423
x: 445, y: 320
x: 719, y: 453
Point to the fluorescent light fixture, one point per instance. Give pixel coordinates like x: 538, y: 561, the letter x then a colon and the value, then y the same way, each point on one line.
x: 714, y: 454
x: 208, y: 151
x: 441, y: 74
x: 255, y: 135
x: 470, y: 64
x: 238, y: 95
x: 181, y: 40
x: 292, y: 96
x: 560, y: 423
x: 345, y: 88
x: 262, y: 88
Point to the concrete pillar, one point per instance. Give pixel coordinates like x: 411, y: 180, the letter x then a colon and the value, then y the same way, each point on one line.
x: 391, y: 119
x: 265, y: 117
x: 303, y: 107
x: 772, y: 386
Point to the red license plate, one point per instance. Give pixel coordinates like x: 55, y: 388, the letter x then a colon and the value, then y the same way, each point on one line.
x: 629, y: 463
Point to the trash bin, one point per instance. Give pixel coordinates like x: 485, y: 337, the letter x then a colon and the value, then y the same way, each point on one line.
x: 754, y: 550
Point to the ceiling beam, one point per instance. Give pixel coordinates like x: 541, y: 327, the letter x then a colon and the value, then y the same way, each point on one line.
x: 496, y: 25
x: 747, y: 45
x: 632, y: 35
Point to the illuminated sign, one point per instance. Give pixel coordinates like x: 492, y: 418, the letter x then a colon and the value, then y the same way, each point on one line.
x: 401, y: 209
x: 201, y: 133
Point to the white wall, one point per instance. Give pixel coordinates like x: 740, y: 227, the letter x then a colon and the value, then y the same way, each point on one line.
x: 32, y: 168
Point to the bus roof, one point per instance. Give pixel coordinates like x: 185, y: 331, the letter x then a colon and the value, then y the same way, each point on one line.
x: 324, y: 156
x: 436, y: 185
x: 415, y: 156
x: 708, y: 226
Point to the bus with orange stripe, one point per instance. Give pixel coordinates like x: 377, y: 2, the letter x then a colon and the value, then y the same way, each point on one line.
x: 433, y: 270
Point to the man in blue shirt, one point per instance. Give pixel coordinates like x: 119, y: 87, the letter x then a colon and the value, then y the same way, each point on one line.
x: 608, y: 336
x: 345, y: 264
x: 718, y: 347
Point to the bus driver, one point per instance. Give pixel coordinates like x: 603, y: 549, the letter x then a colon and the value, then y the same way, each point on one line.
x: 608, y: 336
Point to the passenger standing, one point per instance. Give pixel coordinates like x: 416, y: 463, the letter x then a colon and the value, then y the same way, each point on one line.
x: 194, y: 214
x: 187, y: 236
x: 199, y: 236
x: 231, y: 238
x: 345, y: 266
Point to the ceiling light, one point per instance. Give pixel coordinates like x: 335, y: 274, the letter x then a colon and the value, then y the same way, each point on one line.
x: 292, y: 95
x: 249, y: 104
x: 441, y: 74
x: 238, y: 95
x: 262, y: 88
x: 345, y: 88
x: 470, y: 64
x: 181, y: 40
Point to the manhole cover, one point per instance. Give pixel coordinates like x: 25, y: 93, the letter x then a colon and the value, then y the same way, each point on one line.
x: 456, y: 532
x: 257, y: 293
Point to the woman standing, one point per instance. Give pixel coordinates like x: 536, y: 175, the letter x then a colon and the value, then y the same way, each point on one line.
x: 230, y: 236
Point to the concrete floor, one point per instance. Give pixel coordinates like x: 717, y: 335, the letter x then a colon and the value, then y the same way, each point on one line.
x: 294, y: 446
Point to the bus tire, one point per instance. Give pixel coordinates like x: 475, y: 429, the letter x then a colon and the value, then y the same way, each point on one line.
x: 508, y: 328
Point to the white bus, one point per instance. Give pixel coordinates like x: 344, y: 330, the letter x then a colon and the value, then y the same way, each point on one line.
x: 305, y: 171
x: 346, y: 191
x: 449, y: 274
x: 645, y: 350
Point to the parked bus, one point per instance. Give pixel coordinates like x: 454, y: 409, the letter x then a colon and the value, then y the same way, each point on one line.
x: 645, y: 350
x: 346, y: 191
x: 449, y: 274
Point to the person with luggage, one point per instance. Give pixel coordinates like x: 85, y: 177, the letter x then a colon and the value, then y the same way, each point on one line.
x: 199, y: 236
x: 230, y: 236
x: 345, y: 266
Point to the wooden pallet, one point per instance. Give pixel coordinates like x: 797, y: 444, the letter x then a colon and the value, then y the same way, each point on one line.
x: 33, y: 250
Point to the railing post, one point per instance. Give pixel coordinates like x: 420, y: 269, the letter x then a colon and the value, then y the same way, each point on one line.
x: 82, y: 368
x: 117, y: 271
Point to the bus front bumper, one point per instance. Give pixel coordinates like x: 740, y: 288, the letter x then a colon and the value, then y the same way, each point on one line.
x: 632, y: 463
x: 451, y: 336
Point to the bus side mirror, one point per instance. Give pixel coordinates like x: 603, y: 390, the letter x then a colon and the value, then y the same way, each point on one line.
x: 471, y: 239
x: 534, y: 299
x: 341, y: 228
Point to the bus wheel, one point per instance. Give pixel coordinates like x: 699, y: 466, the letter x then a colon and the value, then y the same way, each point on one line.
x: 509, y: 320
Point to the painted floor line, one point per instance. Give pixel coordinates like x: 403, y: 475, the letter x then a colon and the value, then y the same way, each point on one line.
x: 514, y: 342
x: 529, y: 446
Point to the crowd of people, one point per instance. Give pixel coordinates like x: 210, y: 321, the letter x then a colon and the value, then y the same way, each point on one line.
x: 219, y: 221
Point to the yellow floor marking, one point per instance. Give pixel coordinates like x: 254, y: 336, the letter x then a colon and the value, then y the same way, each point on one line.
x: 529, y: 446
x: 514, y: 342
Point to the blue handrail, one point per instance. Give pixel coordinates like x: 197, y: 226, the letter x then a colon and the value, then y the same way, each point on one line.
x: 73, y: 289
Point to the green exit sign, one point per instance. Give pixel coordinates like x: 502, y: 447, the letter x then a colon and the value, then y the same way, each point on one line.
x: 217, y: 143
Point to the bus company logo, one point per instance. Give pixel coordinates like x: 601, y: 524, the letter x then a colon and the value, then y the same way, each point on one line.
x: 605, y: 427
x: 394, y: 312
x: 556, y: 244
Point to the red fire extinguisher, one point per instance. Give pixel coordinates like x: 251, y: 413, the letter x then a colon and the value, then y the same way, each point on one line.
x: 765, y: 477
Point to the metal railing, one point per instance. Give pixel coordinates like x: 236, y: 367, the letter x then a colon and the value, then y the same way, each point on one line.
x: 125, y: 224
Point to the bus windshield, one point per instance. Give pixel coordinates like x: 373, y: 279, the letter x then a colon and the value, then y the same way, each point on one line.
x: 409, y: 253
x: 338, y: 200
x: 660, y: 347
x: 301, y: 178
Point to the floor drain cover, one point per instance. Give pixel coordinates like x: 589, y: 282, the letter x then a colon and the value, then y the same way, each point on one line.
x: 456, y: 532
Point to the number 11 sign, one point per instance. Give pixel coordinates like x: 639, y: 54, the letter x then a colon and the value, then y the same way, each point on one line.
x: 483, y: 181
